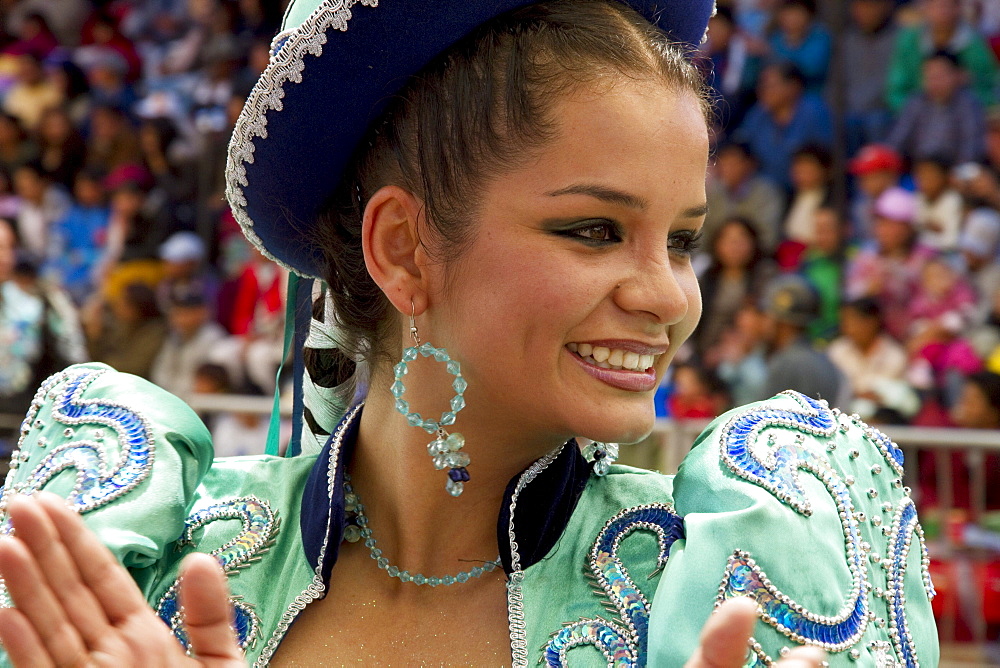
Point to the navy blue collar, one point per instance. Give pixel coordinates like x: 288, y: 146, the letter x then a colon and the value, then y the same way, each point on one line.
x: 544, y: 506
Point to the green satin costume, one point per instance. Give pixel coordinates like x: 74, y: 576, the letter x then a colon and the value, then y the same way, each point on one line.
x: 786, y: 501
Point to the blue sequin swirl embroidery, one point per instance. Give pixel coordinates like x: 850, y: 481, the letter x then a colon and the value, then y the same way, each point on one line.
x: 904, y: 525
x: 623, y: 640
x: 95, y: 484
x: 260, y: 526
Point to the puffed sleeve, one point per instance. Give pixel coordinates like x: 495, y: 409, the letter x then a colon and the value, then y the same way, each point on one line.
x: 803, y: 509
x: 125, y: 454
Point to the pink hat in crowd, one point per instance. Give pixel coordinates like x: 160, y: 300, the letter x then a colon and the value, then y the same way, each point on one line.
x: 874, y: 158
x: 897, y: 204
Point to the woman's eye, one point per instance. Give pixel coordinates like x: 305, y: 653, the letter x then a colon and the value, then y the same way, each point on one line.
x: 685, y: 242
x: 599, y: 232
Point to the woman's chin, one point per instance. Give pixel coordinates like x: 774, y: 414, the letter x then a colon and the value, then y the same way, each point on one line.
x: 630, y: 427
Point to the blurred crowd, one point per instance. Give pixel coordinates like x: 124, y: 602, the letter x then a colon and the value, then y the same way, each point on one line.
x: 850, y: 250
x: 851, y: 246
x: 116, y: 244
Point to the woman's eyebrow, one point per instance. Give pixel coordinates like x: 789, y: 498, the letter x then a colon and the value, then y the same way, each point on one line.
x: 603, y: 193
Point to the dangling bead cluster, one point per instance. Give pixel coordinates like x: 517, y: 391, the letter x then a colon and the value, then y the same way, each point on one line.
x: 357, y: 528
x: 602, y: 455
x: 445, y: 448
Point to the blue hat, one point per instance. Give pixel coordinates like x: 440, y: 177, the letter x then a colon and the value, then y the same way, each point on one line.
x: 332, y: 68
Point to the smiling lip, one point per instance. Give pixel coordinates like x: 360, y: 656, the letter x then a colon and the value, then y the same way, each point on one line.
x: 631, y: 381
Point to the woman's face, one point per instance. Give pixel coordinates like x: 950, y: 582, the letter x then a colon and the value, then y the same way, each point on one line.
x: 585, y: 249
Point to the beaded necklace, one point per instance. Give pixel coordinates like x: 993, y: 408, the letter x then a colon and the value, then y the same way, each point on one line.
x: 357, y: 528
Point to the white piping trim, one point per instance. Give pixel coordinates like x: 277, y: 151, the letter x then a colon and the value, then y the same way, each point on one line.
x: 286, y: 65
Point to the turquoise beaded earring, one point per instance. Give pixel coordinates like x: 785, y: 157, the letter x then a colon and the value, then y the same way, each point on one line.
x: 445, y: 448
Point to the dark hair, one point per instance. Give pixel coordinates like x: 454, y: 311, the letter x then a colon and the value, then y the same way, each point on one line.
x: 738, y: 147
x: 989, y: 384
x: 747, y: 226
x: 141, y: 297
x: 816, y: 152
x: 808, y: 5
x: 476, y: 111
x: 216, y: 373
x: 867, y: 307
x: 788, y: 71
x: 726, y: 14
x: 945, y: 55
x: 939, y: 160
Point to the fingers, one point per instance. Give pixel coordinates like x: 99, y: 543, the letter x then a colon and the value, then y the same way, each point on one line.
x: 38, y: 606
x: 23, y: 646
x: 725, y: 639
x: 208, y: 615
x: 100, y: 572
x: 36, y: 530
x: 725, y: 636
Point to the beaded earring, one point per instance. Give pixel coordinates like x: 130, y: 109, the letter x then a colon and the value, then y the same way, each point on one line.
x: 445, y: 448
x: 602, y: 455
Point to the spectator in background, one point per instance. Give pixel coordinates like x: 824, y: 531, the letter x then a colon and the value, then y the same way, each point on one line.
x: 32, y: 94
x: 789, y: 304
x: 101, y: 32
x: 15, y: 148
x: 821, y: 263
x: 730, y: 68
x: 184, y: 269
x: 43, y: 203
x: 168, y: 158
x: 10, y: 204
x: 941, y: 30
x: 945, y: 120
x: 234, y: 434
x: 698, y: 394
x: 736, y: 189
x: 784, y: 120
x: 992, y: 140
x: 78, y: 238
x: 737, y: 272
x: 802, y: 41
x: 740, y: 357
x: 866, y: 50
x: 74, y: 90
x: 810, y: 177
x: 126, y: 331
x: 62, y: 150
x: 978, y: 406
x: 888, y: 268
x: 112, y: 141
x: 191, y: 338
x: 939, y: 206
x: 134, y: 232
x: 939, y: 313
x: 979, y: 244
x: 34, y: 37
x: 38, y: 336
x: 106, y: 72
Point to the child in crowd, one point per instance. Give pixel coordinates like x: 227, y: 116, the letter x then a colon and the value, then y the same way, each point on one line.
x: 810, y: 177
x: 888, y: 268
x: 873, y: 363
x: 939, y: 313
x: 698, y: 394
x: 939, y: 206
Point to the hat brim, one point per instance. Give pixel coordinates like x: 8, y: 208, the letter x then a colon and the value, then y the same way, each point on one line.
x: 330, y: 76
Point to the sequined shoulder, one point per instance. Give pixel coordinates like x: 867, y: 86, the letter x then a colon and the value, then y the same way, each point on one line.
x: 805, y: 510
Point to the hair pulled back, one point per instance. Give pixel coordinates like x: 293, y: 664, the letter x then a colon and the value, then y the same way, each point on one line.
x: 475, y: 112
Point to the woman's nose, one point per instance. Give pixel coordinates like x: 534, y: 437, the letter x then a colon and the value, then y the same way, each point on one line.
x: 656, y: 289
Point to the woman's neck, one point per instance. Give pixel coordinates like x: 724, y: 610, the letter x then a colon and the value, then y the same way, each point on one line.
x: 419, y: 526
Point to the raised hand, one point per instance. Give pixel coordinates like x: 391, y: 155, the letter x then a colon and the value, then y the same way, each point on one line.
x: 727, y: 632
x: 75, y: 605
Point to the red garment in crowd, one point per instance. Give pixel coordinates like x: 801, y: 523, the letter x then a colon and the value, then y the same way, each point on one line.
x: 691, y: 408
x: 251, y: 296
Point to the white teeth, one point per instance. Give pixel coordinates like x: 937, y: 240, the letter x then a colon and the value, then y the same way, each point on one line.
x: 611, y: 358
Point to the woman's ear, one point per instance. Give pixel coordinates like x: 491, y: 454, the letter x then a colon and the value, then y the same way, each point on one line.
x: 393, y: 253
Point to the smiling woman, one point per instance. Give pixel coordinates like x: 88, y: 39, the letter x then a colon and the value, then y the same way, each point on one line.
x: 501, y: 200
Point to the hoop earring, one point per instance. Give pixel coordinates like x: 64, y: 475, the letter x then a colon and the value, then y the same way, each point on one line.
x: 445, y: 448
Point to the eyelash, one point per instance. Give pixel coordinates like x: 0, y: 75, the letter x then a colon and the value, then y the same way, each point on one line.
x: 688, y: 241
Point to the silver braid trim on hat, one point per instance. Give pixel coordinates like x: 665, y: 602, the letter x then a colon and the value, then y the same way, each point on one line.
x: 288, y: 51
